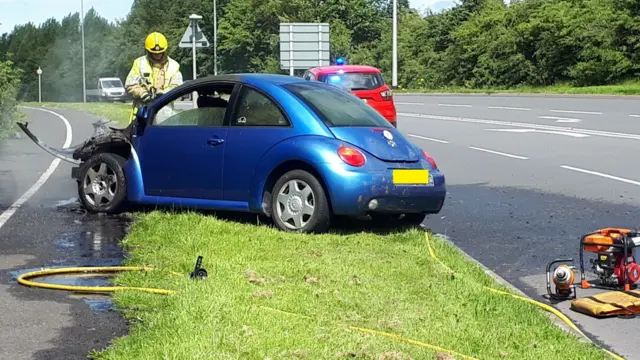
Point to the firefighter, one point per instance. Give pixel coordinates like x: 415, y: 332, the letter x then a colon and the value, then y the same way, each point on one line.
x: 152, y: 74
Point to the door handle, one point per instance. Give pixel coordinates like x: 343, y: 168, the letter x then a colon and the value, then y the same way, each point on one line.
x: 215, y: 141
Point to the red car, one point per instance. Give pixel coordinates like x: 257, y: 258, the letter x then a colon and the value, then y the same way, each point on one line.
x: 362, y: 81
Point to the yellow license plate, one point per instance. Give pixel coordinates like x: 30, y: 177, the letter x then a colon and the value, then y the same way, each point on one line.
x: 410, y: 176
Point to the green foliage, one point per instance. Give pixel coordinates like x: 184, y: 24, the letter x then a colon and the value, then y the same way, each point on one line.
x: 9, y: 84
x: 477, y: 44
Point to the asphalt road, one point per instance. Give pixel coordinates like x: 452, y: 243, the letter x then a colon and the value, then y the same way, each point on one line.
x: 527, y: 176
x: 44, y: 231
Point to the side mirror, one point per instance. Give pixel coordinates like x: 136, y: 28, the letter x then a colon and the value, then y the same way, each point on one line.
x: 140, y: 122
x: 141, y: 115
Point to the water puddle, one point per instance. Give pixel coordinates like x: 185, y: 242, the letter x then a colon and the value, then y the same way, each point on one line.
x: 94, y: 241
x: 97, y: 302
x: 66, y: 203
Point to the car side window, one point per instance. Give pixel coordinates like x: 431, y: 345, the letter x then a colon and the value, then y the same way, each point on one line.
x: 255, y: 109
x: 210, y: 112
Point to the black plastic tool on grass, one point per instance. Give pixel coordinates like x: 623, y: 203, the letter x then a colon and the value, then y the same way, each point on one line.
x: 199, y: 272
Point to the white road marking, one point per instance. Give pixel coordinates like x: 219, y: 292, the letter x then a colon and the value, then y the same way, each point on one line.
x: 601, y: 174
x: 526, y: 125
x: 499, y: 153
x: 430, y: 139
x: 455, y: 105
x: 508, y: 108
x: 568, y: 120
x: 541, y: 131
x: 577, y: 112
x: 408, y: 103
x: 6, y: 215
x: 560, y: 119
x: 638, y: 116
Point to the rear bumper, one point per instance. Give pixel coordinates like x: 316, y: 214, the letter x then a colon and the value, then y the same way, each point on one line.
x: 352, y: 193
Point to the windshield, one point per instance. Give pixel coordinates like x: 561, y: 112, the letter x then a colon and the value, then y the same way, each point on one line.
x: 336, y: 107
x: 111, y: 83
x: 354, y: 80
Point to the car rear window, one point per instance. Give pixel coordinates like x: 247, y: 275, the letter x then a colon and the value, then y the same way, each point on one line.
x: 336, y: 107
x: 353, y: 81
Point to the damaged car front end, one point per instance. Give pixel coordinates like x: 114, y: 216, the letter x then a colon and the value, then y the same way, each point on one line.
x: 99, y: 165
x: 104, y: 139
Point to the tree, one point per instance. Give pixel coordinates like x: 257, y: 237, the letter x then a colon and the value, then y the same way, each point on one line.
x: 477, y: 43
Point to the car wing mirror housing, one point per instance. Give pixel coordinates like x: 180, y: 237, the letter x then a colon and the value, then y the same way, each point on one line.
x: 141, y: 115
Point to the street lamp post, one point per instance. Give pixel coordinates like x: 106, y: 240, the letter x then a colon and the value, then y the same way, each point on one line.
x: 215, y: 39
x: 394, y: 81
x: 194, y: 24
x: 84, y: 80
x: 39, y: 72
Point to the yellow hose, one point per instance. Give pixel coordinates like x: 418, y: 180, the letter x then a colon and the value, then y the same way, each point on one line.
x: 23, y: 279
x: 381, y: 333
x: 551, y: 309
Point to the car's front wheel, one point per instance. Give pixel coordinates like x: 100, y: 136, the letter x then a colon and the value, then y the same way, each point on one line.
x: 299, y: 203
x: 102, y: 185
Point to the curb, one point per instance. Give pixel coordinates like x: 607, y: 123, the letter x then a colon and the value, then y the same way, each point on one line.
x: 505, y: 283
x: 534, y: 95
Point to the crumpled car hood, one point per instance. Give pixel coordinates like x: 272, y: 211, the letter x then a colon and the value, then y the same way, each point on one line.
x: 75, y: 154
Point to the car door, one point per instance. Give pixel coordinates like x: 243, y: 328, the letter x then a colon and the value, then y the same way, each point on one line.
x: 257, y: 124
x: 181, y: 151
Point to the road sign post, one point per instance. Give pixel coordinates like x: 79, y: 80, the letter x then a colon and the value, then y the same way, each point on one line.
x: 194, y: 38
x: 304, y: 45
x: 394, y: 76
x: 215, y: 38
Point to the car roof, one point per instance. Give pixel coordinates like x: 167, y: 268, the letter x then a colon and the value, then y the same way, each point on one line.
x: 345, y: 68
x: 252, y: 78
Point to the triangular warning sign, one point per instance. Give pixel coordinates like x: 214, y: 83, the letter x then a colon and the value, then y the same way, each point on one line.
x: 201, y: 39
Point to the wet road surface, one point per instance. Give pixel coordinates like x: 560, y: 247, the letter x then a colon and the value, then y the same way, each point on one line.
x: 47, y: 231
x: 513, y: 204
x: 520, y: 199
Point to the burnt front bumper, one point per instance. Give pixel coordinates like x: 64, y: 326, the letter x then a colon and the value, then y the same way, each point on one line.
x: 74, y: 172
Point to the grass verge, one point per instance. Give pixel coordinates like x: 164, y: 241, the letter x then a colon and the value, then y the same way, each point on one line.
x: 13, y: 128
x: 116, y: 112
x: 631, y: 87
x: 381, y: 282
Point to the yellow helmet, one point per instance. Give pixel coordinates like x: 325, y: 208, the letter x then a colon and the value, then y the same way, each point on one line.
x: 156, y: 43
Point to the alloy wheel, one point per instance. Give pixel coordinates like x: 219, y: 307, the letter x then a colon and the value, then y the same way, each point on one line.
x: 296, y: 204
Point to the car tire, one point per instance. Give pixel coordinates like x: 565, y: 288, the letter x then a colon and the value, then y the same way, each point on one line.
x: 102, y: 174
x: 288, y: 203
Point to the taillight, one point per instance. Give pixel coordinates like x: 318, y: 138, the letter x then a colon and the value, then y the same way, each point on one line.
x: 430, y: 159
x: 387, y: 95
x: 351, y: 156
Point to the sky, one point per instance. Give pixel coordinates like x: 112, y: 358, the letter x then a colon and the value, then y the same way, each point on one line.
x: 15, y: 12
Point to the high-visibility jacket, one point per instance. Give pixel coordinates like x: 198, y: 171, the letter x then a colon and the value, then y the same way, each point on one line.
x: 163, y: 77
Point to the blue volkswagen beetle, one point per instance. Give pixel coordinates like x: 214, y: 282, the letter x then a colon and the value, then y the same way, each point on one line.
x: 296, y: 151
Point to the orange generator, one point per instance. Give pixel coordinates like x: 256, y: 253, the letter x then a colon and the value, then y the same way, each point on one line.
x: 615, y: 265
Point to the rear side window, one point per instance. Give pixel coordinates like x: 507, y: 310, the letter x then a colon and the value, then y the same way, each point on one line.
x: 353, y: 81
x: 335, y: 106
